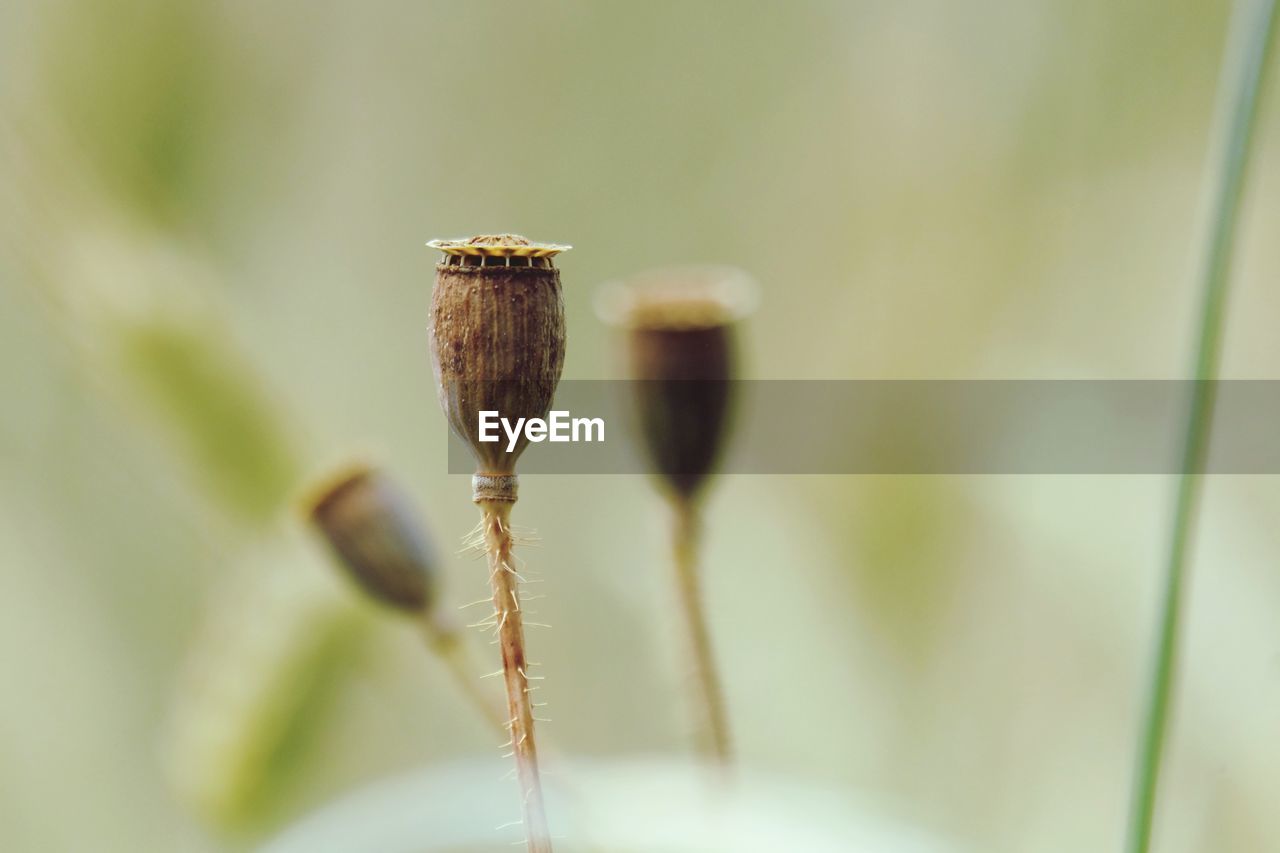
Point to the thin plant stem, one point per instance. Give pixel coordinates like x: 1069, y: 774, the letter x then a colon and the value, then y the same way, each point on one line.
x: 1244, y: 65
x: 510, y: 629
x: 709, y: 697
x: 452, y: 652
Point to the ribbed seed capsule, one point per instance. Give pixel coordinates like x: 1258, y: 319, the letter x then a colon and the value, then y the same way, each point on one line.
x: 680, y: 349
x: 378, y: 538
x: 497, y: 342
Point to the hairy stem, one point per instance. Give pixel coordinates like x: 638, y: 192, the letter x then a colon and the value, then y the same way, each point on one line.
x: 1243, y: 66
x: 708, y: 695
x: 506, y: 605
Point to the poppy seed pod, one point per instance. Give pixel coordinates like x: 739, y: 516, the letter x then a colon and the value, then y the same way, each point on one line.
x: 680, y: 349
x: 497, y: 343
x: 373, y: 529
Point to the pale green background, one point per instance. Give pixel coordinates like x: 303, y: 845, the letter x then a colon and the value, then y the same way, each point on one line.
x: 924, y: 189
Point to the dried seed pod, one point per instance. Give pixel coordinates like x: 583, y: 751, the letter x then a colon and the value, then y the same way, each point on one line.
x: 497, y: 342
x: 378, y: 538
x: 679, y: 325
x: 383, y: 546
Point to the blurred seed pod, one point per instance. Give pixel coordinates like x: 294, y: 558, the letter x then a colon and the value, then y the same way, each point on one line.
x: 497, y: 340
x: 679, y: 324
x: 378, y: 537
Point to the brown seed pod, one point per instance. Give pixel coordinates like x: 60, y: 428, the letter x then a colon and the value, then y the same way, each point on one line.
x: 680, y: 343
x: 378, y: 538
x: 383, y: 546
x: 497, y: 342
x: 679, y: 325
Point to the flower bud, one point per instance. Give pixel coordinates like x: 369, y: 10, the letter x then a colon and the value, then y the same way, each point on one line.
x: 680, y: 348
x: 378, y: 538
x: 497, y: 342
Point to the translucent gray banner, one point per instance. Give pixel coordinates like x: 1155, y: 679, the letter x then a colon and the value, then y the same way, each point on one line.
x: 918, y: 427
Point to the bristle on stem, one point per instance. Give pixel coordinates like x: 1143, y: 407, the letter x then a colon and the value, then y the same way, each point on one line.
x: 506, y: 593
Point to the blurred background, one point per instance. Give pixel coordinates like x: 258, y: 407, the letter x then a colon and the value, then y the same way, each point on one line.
x: 213, y: 287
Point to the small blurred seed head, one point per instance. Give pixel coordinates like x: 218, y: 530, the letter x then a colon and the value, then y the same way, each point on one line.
x: 378, y: 538
x: 497, y: 337
x: 679, y: 324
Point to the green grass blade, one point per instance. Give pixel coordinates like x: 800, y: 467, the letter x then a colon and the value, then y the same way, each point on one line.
x: 1243, y: 67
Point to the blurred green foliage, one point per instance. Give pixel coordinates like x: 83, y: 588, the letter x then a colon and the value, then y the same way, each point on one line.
x: 222, y: 419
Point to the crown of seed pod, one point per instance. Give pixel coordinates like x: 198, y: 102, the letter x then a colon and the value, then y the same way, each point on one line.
x: 497, y: 343
x: 680, y: 347
x: 378, y: 538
